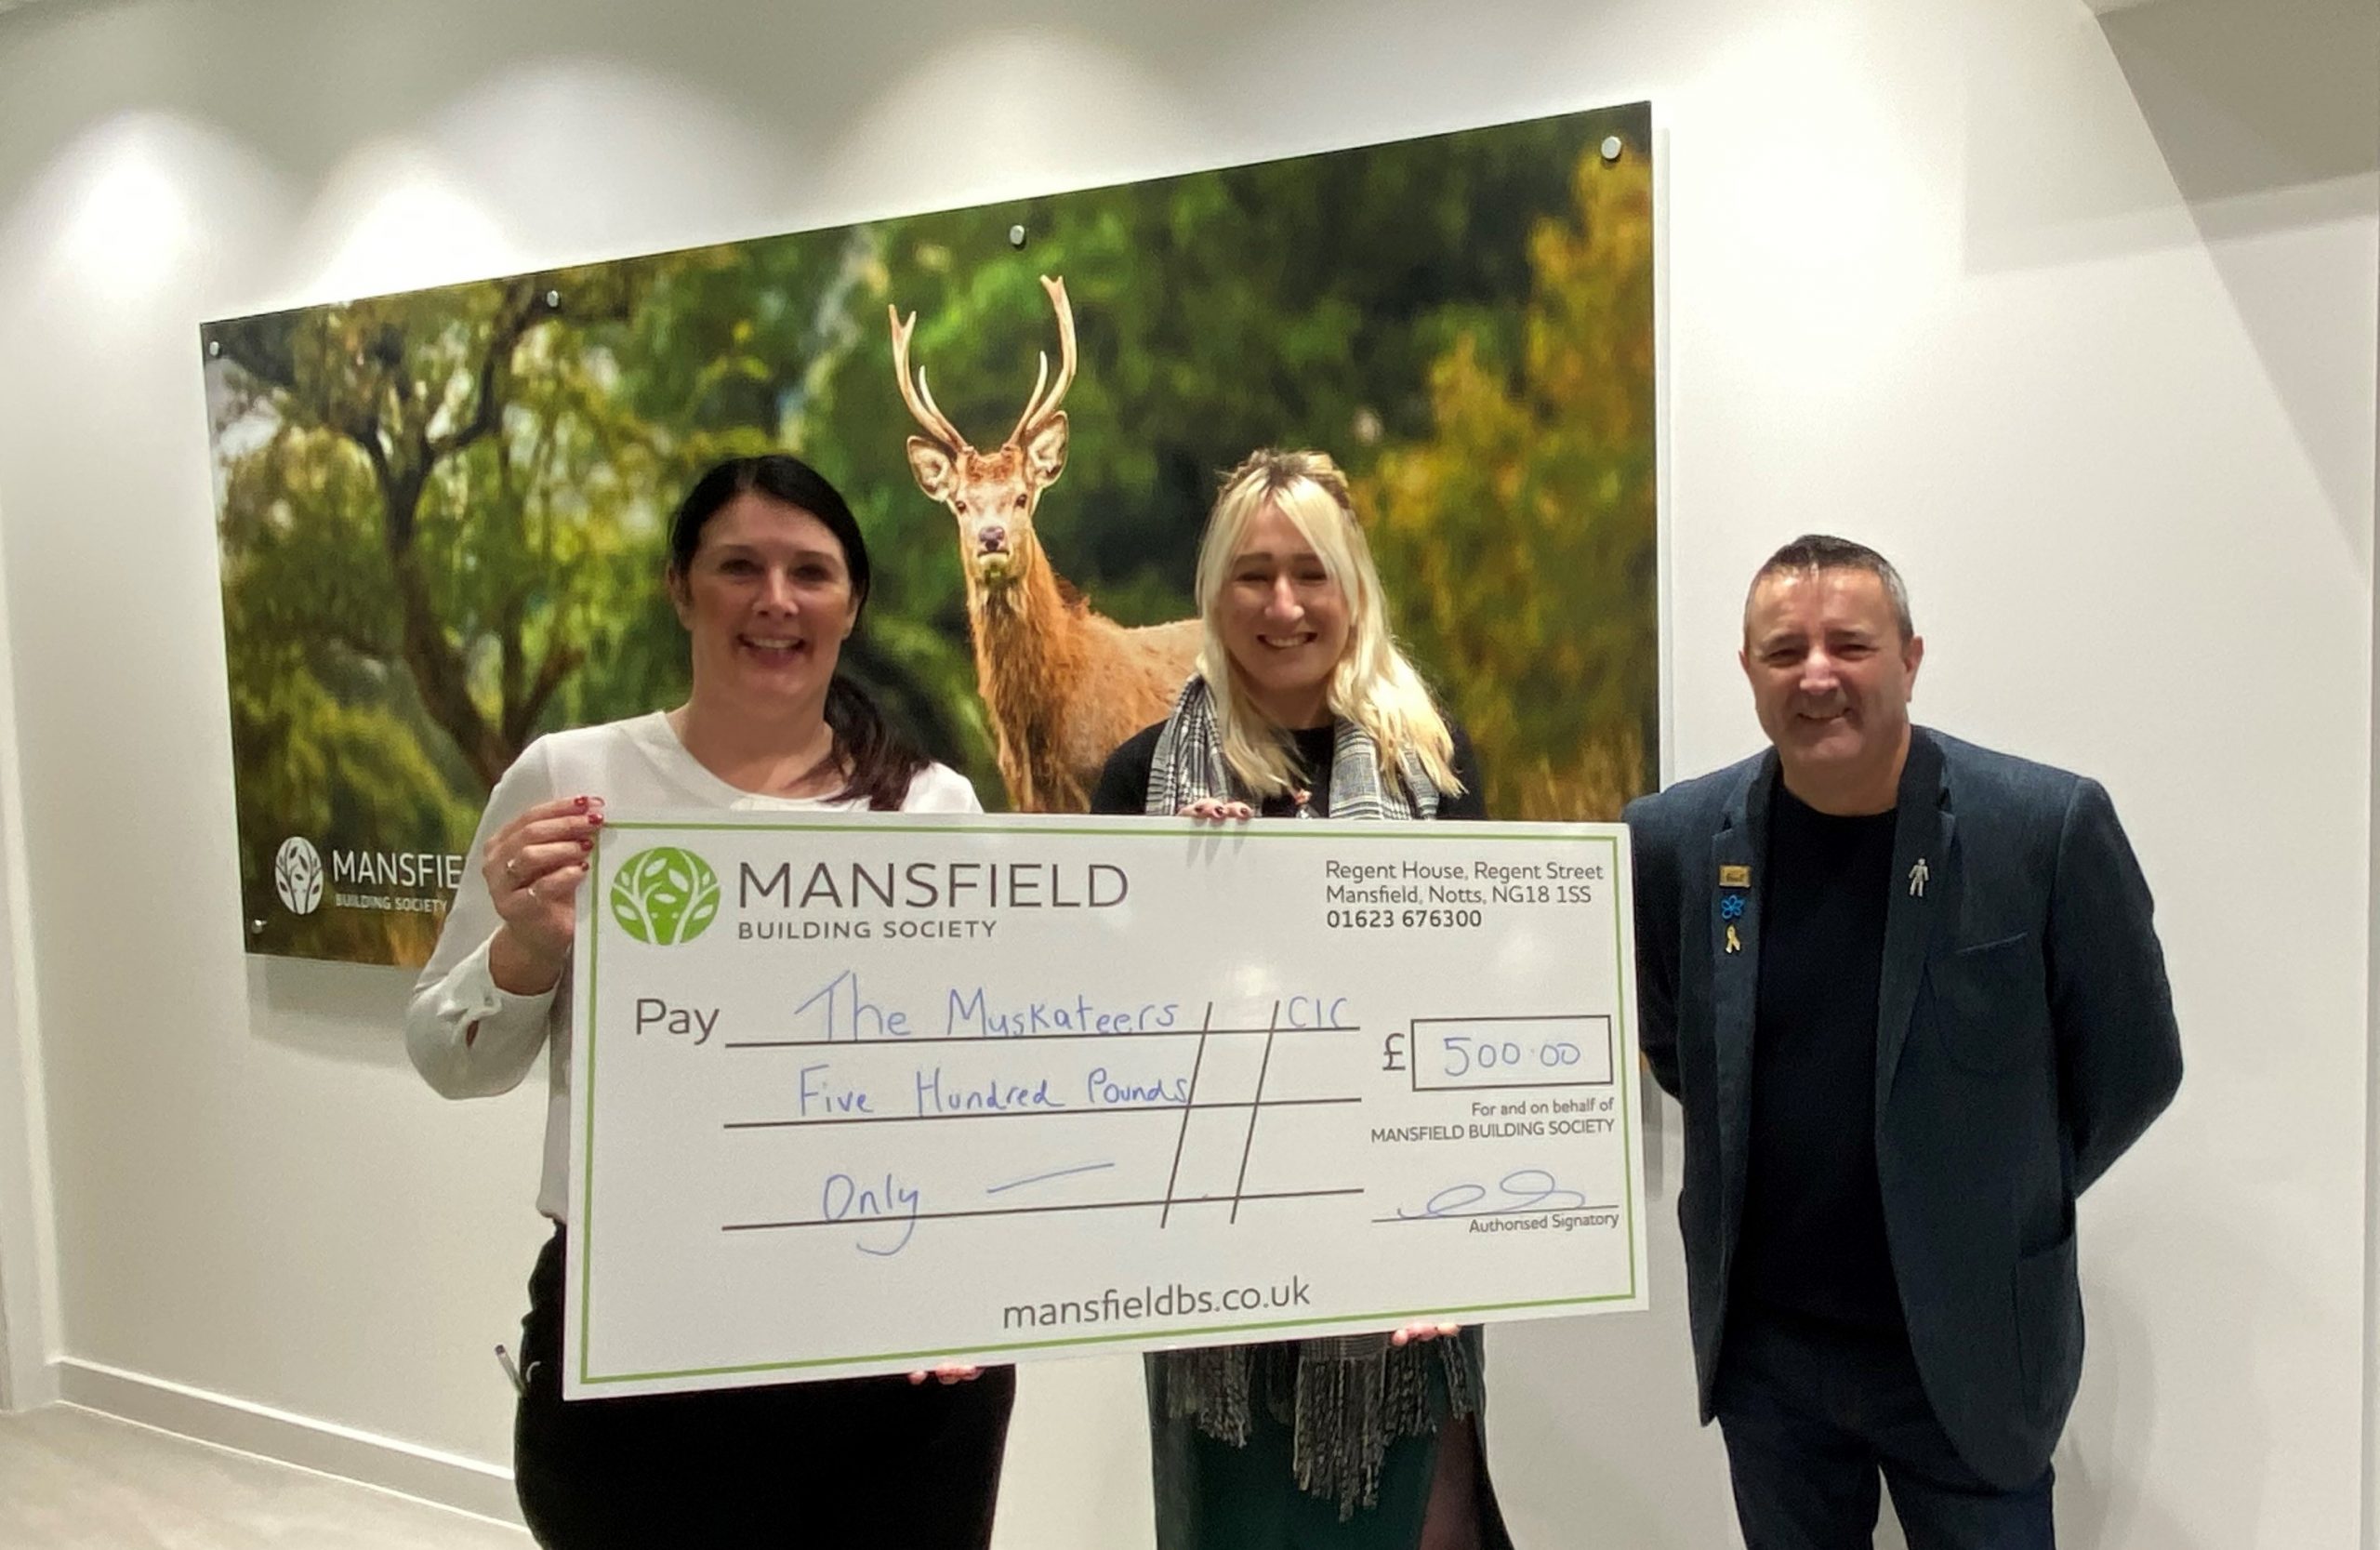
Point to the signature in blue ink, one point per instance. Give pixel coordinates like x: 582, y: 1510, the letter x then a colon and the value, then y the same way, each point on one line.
x: 845, y: 1198
x: 1521, y: 1189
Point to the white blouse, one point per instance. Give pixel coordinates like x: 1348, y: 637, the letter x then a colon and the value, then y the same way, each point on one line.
x: 632, y: 763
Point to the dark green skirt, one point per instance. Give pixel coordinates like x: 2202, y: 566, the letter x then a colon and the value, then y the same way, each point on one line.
x: 1212, y: 1495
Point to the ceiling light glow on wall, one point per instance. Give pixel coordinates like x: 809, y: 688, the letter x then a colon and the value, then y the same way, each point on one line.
x: 127, y: 225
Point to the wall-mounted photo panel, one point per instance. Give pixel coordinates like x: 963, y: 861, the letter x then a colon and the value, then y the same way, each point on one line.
x: 443, y: 514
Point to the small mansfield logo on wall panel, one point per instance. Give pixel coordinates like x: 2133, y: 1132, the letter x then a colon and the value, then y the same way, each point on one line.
x: 665, y: 895
x: 298, y: 876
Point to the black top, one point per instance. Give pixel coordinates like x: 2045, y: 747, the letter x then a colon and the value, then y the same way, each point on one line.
x: 1814, y: 1216
x: 1124, y: 783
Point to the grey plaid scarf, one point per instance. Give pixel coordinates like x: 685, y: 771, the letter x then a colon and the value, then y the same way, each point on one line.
x: 1345, y: 1398
x: 1188, y: 765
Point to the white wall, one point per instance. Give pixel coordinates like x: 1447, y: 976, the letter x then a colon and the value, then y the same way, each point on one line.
x: 28, y: 1250
x: 2076, y: 318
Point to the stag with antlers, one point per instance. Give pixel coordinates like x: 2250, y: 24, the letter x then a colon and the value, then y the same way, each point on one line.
x: 1063, y: 684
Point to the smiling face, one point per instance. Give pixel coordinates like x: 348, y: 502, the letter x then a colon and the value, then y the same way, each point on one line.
x: 767, y: 601
x: 1830, y: 678
x: 1284, y: 619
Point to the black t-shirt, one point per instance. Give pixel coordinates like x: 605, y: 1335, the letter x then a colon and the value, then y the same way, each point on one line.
x: 1813, y: 1240
x: 1124, y: 782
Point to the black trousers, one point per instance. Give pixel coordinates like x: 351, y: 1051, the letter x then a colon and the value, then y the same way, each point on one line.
x: 852, y: 1463
x: 1814, y: 1413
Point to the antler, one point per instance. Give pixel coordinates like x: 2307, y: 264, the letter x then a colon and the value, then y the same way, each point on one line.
x: 919, y: 398
x: 1036, y: 408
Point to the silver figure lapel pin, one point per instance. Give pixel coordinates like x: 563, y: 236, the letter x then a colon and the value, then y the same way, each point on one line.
x: 1917, y: 875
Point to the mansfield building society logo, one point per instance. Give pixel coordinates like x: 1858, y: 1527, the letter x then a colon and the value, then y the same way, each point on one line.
x: 665, y: 895
x: 413, y: 882
x: 298, y: 876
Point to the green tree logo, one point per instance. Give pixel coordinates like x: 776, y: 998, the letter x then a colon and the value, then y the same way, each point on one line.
x: 665, y: 895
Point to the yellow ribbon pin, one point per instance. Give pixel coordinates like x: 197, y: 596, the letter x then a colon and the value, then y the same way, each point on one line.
x: 1735, y: 943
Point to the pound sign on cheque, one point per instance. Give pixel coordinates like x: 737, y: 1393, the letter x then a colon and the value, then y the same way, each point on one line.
x: 1391, y: 1050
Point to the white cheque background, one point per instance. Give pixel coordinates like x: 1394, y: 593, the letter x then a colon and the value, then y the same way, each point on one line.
x: 1227, y: 1107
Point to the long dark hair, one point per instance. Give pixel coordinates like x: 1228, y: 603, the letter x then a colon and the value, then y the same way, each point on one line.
x: 882, y: 765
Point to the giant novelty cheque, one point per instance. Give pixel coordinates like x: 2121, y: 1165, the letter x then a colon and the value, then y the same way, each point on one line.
x: 867, y: 1095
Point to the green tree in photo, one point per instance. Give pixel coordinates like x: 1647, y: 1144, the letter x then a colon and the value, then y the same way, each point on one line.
x: 1525, y: 526
x: 418, y: 554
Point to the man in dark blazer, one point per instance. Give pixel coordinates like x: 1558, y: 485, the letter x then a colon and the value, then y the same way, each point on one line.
x: 1910, y: 996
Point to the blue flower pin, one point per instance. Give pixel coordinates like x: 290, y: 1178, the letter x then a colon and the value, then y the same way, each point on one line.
x: 1732, y: 908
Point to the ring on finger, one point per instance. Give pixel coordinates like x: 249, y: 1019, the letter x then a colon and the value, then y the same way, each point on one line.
x: 512, y: 867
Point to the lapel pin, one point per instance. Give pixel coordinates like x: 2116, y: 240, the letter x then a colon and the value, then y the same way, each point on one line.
x: 1735, y: 877
x: 1735, y: 943
x: 1917, y: 875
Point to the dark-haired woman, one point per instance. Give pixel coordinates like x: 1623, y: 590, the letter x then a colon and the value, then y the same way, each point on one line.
x: 769, y: 573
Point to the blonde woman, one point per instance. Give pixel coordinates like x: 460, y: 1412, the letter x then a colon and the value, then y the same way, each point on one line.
x: 1303, y: 707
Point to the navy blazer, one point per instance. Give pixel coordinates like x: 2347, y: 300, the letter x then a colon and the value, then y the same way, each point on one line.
x: 2024, y: 1037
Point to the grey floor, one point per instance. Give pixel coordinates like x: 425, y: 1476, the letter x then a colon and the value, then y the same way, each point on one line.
x: 73, y: 1479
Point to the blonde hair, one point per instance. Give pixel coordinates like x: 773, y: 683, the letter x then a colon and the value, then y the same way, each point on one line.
x: 1373, y: 685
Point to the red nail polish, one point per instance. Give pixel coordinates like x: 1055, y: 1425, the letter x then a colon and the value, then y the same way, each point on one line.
x: 596, y: 817
x: 586, y: 844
